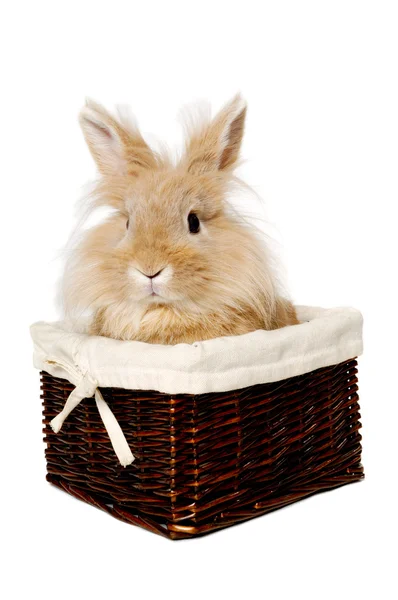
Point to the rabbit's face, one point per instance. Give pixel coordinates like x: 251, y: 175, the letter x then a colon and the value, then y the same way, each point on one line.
x: 169, y: 229
x: 174, y: 239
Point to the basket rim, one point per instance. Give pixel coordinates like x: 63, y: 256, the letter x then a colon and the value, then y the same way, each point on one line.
x: 323, y: 338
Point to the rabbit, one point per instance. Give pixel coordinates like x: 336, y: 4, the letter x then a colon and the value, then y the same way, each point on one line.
x: 173, y: 263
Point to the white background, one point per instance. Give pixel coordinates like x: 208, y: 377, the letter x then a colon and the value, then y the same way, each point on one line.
x: 321, y: 146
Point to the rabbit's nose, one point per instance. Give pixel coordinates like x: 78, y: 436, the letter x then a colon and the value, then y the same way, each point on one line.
x: 155, y: 275
x: 152, y: 276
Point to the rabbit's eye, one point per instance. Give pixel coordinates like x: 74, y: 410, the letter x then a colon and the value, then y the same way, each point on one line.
x: 127, y: 223
x: 193, y: 222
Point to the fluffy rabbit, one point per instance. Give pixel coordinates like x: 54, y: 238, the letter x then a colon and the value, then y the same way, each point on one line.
x: 172, y: 263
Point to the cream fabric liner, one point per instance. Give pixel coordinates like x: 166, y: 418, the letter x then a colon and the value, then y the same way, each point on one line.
x: 324, y: 337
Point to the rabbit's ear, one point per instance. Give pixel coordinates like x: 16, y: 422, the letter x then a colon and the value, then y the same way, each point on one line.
x: 216, y: 145
x: 115, y: 144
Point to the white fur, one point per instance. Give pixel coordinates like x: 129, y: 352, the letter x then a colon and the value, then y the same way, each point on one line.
x: 147, y: 286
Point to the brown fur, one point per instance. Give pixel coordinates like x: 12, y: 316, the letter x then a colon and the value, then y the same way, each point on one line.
x: 213, y: 283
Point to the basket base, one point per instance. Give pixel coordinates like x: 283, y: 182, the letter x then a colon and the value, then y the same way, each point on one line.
x: 174, y: 531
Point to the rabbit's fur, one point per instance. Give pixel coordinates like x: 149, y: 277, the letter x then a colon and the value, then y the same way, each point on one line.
x: 213, y: 282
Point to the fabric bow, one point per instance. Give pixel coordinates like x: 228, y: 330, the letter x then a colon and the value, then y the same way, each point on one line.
x: 87, y: 387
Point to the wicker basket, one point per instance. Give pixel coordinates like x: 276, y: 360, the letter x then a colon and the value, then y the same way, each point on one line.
x: 207, y: 461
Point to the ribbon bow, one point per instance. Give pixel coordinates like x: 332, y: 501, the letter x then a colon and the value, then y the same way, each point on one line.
x: 87, y: 387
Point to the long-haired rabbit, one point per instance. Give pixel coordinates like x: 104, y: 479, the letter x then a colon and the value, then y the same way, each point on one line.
x: 172, y: 263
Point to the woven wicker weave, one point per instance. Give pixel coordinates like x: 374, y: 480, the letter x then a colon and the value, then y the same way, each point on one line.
x: 208, y: 461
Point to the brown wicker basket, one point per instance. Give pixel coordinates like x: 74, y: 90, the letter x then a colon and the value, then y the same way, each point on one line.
x: 208, y: 461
